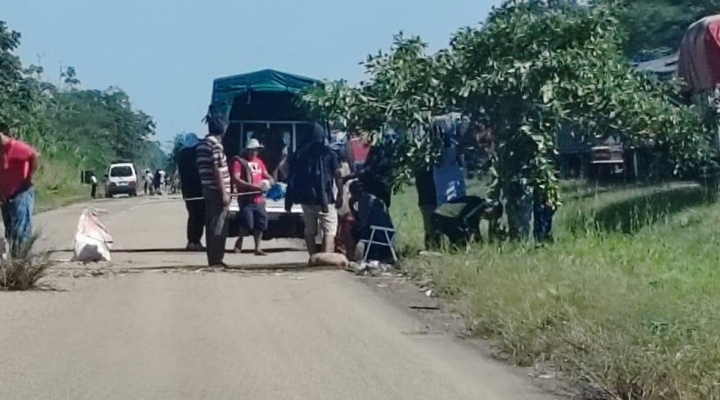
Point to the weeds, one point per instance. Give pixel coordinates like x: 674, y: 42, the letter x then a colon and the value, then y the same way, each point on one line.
x: 626, y: 297
x: 21, y: 269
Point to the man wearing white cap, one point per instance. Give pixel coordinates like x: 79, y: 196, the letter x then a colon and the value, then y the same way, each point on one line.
x: 191, y: 188
x: 248, y: 175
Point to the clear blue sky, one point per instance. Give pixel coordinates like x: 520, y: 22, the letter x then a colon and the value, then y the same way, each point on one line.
x: 166, y: 53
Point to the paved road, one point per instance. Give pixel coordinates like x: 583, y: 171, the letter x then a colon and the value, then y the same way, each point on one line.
x: 186, y: 334
x: 140, y: 226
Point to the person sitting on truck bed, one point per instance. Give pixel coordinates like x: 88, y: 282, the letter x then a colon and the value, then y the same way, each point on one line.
x: 314, y: 169
x: 247, y: 175
x: 282, y: 172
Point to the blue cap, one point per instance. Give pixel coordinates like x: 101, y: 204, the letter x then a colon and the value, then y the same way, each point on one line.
x: 191, y: 140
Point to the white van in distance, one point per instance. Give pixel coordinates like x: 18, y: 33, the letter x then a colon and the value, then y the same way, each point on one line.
x: 121, y: 179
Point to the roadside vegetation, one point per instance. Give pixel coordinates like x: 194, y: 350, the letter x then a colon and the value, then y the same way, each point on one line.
x: 75, y: 129
x: 626, y: 297
x: 25, y: 269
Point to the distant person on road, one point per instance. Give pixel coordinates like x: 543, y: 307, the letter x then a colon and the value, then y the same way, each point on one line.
x: 148, y: 178
x: 192, y: 192
x: 156, y: 181
x: 93, y: 186
x: 18, y: 163
x: 247, y: 176
x: 159, y: 182
x: 215, y: 177
x: 314, y: 173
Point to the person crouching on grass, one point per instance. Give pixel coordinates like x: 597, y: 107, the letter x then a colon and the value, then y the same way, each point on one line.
x: 18, y: 163
x: 247, y: 175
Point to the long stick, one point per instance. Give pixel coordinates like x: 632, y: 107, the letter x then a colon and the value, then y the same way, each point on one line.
x: 231, y: 195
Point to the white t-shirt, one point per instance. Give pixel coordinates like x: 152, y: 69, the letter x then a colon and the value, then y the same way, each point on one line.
x: 93, y: 180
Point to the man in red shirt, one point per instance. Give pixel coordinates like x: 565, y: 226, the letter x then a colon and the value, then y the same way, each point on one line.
x: 18, y: 163
x: 247, y: 175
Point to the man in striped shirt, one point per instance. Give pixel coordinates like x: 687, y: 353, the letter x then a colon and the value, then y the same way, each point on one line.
x: 215, y: 177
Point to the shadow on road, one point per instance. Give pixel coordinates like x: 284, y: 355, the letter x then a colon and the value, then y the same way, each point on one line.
x: 275, y: 250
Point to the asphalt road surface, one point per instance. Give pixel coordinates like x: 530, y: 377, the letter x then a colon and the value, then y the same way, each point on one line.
x: 197, y: 334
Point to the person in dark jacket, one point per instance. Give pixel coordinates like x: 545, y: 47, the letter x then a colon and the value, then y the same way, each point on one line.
x: 369, y: 211
x: 191, y: 188
x: 315, y: 174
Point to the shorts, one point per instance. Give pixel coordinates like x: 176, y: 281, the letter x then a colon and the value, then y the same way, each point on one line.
x: 253, y: 218
x: 313, y: 216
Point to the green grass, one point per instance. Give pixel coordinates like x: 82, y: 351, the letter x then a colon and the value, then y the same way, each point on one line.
x: 628, y: 296
x: 57, y: 183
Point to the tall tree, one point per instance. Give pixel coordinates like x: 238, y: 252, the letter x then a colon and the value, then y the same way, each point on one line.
x: 532, y: 68
x: 88, y: 128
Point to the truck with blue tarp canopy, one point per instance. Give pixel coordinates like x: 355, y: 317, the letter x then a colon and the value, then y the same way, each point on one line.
x: 264, y: 105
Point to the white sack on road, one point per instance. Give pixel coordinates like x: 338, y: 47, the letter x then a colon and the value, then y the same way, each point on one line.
x: 92, y: 241
x: 328, y: 260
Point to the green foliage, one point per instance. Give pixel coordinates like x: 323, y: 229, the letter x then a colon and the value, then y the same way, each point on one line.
x: 403, y: 93
x: 655, y: 27
x: 531, y: 69
x: 82, y: 129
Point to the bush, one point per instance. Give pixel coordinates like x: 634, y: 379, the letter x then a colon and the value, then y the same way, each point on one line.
x: 23, y: 270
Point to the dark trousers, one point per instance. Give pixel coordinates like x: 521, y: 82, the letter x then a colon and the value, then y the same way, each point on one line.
x: 433, y: 238
x: 542, y: 222
x: 196, y: 220
x: 216, y: 226
x: 93, y: 190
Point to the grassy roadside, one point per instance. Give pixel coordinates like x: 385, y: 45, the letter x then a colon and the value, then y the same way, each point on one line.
x: 626, y: 297
x: 57, y: 184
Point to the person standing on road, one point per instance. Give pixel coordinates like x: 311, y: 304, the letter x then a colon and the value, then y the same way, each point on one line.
x: 247, y: 176
x: 192, y: 192
x: 18, y: 163
x: 157, y: 179
x: 215, y: 178
x: 93, y: 186
x: 314, y: 174
x: 345, y: 218
x: 148, y: 181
